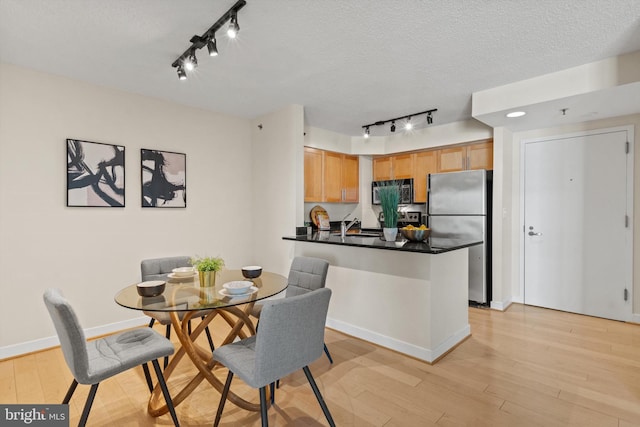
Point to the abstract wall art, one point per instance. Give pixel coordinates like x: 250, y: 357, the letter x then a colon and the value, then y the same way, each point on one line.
x: 164, y: 179
x: 95, y: 174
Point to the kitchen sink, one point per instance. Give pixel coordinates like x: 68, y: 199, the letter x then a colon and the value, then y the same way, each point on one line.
x: 364, y: 234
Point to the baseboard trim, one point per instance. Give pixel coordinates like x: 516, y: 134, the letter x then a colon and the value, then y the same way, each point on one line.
x: 501, y: 305
x: 428, y: 355
x: 21, y: 349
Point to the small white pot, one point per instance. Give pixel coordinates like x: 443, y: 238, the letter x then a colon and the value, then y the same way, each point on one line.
x: 390, y: 234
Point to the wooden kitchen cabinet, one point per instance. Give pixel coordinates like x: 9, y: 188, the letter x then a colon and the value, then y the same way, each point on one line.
x: 312, y: 174
x: 330, y: 176
x: 398, y: 166
x: 480, y: 156
x: 466, y: 157
x: 382, y: 168
x: 426, y: 162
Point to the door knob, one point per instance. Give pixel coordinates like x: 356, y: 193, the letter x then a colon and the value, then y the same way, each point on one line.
x: 533, y: 233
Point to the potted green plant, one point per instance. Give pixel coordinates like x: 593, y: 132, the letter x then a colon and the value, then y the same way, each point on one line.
x: 389, y: 195
x: 207, y: 268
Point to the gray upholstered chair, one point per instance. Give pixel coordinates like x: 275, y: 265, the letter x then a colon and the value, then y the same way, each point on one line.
x: 306, y: 274
x: 91, y: 362
x: 291, y: 336
x: 159, y: 269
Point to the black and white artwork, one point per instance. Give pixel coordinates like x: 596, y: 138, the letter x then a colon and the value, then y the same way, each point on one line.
x: 95, y: 174
x: 164, y: 179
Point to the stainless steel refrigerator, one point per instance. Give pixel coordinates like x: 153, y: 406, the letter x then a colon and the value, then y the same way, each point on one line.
x: 459, y: 209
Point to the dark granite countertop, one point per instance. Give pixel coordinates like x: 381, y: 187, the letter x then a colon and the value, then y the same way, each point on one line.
x: 432, y: 245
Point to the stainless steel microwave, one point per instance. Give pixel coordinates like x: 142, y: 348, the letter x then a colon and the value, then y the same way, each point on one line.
x: 406, y: 190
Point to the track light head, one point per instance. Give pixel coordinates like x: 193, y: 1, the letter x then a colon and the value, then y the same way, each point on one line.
x: 429, y: 119
x: 393, y: 126
x: 366, y: 132
x: 212, y: 47
x: 233, y: 29
x: 181, y: 74
x: 408, y: 125
x: 191, y: 62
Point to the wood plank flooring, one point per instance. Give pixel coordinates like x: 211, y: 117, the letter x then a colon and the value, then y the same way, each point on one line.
x: 527, y: 366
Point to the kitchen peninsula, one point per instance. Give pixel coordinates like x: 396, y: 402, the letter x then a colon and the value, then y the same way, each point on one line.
x: 410, y: 297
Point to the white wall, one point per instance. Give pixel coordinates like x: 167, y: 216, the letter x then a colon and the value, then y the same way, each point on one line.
x: 91, y: 253
x: 277, y: 197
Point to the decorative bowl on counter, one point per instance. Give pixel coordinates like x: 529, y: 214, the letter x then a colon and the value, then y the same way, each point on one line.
x: 151, y: 288
x: 415, y: 234
x: 251, y: 271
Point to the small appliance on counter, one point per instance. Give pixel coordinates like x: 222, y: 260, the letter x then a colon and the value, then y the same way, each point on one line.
x: 406, y: 190
x: 404, y: 218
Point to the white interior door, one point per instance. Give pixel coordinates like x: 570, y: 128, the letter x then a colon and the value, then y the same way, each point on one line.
x: 577, y: 231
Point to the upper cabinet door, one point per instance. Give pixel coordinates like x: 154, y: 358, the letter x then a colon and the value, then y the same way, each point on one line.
x: 480, y: 156
x: 382, y: 168
x: 312, y: 175
x: 402, y: 166
x: 350, y: 178
x: 426, y: 162
x: 333, y: 177
x: 452, y: 159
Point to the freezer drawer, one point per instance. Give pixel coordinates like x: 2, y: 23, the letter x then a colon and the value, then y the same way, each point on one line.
x: 467, y: 228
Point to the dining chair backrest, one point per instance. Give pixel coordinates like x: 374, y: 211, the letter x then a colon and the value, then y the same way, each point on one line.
x: 70, y: 334
x: 306, y: 274
x: 159, y: 268
x: 291, y: 335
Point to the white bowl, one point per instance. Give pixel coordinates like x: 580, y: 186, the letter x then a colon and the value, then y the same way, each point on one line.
x: 183, y: 271
x: 238, y: 287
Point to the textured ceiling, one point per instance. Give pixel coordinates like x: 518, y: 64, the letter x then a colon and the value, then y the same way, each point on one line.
x: 349, y: 63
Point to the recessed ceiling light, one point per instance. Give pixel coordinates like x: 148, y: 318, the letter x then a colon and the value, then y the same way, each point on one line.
x: 516, y: 114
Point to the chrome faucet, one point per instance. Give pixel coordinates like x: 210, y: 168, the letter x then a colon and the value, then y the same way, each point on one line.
x: 345, y: 227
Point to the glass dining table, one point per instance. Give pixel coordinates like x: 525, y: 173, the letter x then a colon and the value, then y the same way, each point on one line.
x: 183, y: 298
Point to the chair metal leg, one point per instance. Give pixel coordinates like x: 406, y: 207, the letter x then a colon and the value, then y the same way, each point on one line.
x: 326, y: 351
x: 223, y: 399
x: 316, y: 391
x: 263, y: 407
x: 72, y: 389
x: 168, y: 335
x: 87, y: 406
x: 272, y: 389
x: 165, y: 392
x: 209, y: 338
x: 147, y: 376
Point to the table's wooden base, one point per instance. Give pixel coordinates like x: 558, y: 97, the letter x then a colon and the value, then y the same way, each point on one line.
x: 236, y: 318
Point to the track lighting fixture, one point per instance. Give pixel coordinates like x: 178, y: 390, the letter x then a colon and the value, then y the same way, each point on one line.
x: 188, y: 61
x: 212, y: 47
x: 233, y: 29
x: 408, y: 124
x: 191, y: 62
x: 181, y: 74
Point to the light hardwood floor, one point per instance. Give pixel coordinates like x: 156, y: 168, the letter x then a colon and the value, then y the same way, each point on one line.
x: 524, y: 367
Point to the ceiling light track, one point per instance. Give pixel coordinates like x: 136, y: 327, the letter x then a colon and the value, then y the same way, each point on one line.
x: 408, y: 125
x: 188, y: 61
